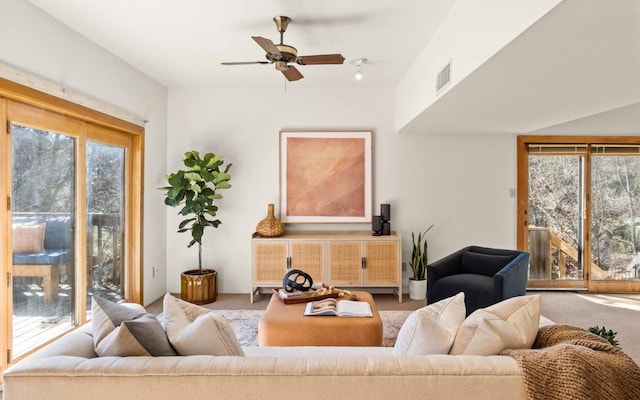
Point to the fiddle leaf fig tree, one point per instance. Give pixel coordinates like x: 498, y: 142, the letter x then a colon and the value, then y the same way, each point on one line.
x: 195, y: 189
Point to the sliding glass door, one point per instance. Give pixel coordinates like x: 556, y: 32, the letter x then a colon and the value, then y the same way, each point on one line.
x: 105, y: 219
x: 579, y: 211
x: 615, y: 213
x: 555, y: 210
x: 72, y: 223
x: 43, y: 208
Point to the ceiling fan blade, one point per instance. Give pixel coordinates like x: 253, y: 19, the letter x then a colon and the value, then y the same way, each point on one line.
x: 320, y: 59
x: 244, y: 62
x: 267, y: 45
x: 292, y: 74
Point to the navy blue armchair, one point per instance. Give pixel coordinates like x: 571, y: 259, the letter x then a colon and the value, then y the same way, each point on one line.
x: 486, y: 276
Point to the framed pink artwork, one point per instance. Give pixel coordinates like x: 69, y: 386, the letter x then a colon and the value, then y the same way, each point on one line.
x: 325, y: 177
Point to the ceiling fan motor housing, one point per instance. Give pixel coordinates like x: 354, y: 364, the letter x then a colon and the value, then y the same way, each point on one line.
x: 287, y: 54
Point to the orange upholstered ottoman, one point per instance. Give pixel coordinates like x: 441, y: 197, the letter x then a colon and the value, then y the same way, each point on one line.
x: 286, y: 325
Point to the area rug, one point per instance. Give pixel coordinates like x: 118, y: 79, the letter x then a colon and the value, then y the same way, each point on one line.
x: 245, y: 324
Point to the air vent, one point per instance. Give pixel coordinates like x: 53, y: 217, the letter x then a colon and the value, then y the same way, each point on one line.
x: 444, y: 77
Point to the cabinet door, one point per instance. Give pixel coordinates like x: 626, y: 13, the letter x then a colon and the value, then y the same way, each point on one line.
x: 270, y: 261
x: 381, y: 263
x: 345, y: 263
x: 308, y: 256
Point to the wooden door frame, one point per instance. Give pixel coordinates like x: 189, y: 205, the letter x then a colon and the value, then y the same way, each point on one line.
x: 522, y: 205
x: 11, y: 92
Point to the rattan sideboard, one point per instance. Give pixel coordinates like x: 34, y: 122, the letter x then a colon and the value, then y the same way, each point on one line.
x: 344, y: 259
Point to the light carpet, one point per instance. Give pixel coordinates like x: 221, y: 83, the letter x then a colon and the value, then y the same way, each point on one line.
x: 245, y: 324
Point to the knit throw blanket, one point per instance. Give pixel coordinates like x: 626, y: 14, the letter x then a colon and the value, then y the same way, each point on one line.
x: 568, y: 363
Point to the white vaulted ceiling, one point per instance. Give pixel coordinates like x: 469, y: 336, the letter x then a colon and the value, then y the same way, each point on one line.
x: 182, y: 43
x: 580, y: 59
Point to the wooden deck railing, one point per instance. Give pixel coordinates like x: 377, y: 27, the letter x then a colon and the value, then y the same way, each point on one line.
x: 104, y: 246
x: 542, y: 243
x: 104, y: 241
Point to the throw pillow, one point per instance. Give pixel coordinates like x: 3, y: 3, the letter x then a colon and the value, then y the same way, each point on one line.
x: 510, y: 324
x: 122, y: 331
x: 28, y: 237
x: 190, y: 310
x: 431, y: 329
x: 192, y: 331
x: 483, y: 264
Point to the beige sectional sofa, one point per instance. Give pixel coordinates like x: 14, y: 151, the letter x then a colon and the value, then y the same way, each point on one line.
x: 69, y: 369
x: 127, y: 353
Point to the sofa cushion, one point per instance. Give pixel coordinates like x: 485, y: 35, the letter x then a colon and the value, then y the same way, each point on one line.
x: 208, y: 333
x: 122, y: 331
x: 483, y: 264
x: 431, y: 329
x: 28, y: 237
x: 42, y: 258
x: 510, y: 324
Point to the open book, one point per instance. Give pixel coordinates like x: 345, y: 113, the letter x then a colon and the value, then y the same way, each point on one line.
x: 340, y: 308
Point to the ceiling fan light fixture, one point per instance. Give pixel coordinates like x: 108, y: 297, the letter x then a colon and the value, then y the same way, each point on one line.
x: 358, y: 63
x: 281, y: 65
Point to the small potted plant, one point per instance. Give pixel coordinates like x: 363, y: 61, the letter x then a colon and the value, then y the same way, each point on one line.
x: 195, y: 190
x: 419, y: 261
x: 609, y: 335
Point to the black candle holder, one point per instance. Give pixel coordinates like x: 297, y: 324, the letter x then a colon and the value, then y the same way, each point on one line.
x: 385, y: 212
x: 376, y: 225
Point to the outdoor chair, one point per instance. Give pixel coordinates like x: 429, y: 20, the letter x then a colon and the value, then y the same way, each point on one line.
x: 42, y: 248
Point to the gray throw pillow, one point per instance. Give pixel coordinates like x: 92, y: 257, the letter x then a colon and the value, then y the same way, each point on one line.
x: 121, y: 331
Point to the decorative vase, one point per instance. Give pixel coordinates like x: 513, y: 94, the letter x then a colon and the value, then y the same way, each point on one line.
x: 417, y: 289
x: 199, y: 288
x: 270, y: 226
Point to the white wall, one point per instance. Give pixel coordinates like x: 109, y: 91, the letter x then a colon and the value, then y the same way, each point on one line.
x: 36, y: 43
x: 459, y: 183
x: 472, y: 33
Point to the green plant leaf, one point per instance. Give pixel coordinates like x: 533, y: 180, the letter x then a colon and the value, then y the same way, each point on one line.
x: 207, y: 191
x: 173, y: 192
x: 171, y: 202
x: 207, y: 176
x: 211, y: 159
x: 186, y: 222
x: 175, y: 180
x: 220, y: 177
x: 193, y: 176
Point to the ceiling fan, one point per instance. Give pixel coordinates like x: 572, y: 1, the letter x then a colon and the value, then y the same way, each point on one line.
x: 282, y: 54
